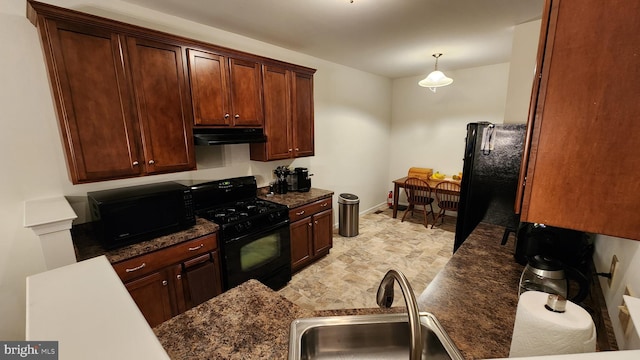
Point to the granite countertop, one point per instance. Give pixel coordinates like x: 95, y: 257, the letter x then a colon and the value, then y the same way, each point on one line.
x: 474, y: 297
x: 295, y: 199
x: 86, y: 244
x: 250, y: 321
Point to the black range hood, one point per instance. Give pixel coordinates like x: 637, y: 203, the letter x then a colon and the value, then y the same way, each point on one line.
x: 213, y: 136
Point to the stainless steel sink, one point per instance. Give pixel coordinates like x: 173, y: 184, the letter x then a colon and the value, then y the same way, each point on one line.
x: 385, y: 336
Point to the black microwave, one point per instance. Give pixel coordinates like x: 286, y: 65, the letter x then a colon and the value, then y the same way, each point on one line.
x: 128, y: 215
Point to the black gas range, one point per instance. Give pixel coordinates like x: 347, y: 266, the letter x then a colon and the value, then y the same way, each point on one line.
x: 254, y: 233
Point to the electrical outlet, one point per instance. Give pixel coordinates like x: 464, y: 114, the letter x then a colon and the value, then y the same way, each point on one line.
x: 612, y: 269
x: 623, y: 313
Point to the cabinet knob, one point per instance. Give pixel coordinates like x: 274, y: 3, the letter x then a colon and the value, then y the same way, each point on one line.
x: 226, y: 116
x: 297, y: 149
x: 310, y: 224
x: 300, y: 213
x: 324, y: 205
x: 179, y: 277
x: 316, y: 222
x: 164, y: 283
x: 151, y: 162
x: 290, y: 150
x: 135, y: 163
x: 237, y: 116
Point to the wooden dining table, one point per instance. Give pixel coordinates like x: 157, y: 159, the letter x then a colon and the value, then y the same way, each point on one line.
x: 399, y: 183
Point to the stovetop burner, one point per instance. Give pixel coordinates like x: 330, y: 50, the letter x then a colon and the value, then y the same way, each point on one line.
x: 233, y: 204
x: 240, y: 210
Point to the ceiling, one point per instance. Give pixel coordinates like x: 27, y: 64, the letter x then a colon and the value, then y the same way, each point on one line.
x: 392, y: 38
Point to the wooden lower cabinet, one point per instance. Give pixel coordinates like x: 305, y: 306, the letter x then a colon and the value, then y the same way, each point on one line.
x: 201, y: 279
x: 301, y: 243
x: 170, y: 281
x: 152, y: 293
x: 311, y: 233
x: 322, y: 232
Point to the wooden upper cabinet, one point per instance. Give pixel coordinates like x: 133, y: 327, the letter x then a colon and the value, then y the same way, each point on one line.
x: 123, y: 103
x: 93, y: 100
x: 226, y: 92
x: 246, y: 93
x: 302, y: 95
x: 164, y: 111
x: 288, y: 110
x: 209, y: 84
x: 277, y: 113
x: 582, y: 165
x: 128, y: 97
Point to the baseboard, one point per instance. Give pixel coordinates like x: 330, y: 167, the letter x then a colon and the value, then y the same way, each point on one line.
x: 361, y: 213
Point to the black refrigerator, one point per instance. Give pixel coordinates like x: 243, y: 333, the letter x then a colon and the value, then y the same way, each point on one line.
x: 492, y: 157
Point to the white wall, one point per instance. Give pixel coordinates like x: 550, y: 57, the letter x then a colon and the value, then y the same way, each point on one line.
x: 429, y: 129
x: 521, y: 72
x: 628, y: 253
x: 352, y: 122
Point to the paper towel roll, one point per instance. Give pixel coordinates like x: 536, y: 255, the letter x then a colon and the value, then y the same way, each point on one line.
x: 538, y: 331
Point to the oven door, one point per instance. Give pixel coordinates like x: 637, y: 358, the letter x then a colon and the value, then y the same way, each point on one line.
x: 264, y: 255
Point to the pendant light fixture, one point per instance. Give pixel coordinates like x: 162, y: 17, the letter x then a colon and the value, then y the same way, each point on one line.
x: 436, y: 78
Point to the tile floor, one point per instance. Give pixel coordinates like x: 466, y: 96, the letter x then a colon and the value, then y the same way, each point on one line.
x: 349, y: 276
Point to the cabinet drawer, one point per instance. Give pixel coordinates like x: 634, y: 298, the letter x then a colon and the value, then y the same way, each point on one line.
x: 144, y: 264
x: 309, y: 209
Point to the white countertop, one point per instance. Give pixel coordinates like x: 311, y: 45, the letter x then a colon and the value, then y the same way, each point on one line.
x: 86, y: 308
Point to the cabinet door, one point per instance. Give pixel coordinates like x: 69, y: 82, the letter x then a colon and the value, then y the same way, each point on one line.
x: 302, y: 99
x: 301, y: 243
x: 246, y: 93
x: 583, y: 156
x: 322, y: 232
x: 94, y: 104
x: 152, y: 294
x: 201, y: 279
x: 277, y: 112
x: 209, y: 88
x: 163, y: 105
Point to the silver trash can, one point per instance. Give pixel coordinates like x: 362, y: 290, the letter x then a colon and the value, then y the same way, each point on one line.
x: 348, y: 213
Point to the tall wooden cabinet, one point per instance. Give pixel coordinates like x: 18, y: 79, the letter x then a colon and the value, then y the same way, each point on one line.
x: 227, y: 92
x: 289, y: 120
x: 122, y: 101
x: 581, y: 158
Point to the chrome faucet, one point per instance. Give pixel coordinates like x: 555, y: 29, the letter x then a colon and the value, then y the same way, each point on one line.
x: 384, y: 298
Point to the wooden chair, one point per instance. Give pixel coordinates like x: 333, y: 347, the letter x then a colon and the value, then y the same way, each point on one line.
x: 418, y: 193
x: 447, y: 197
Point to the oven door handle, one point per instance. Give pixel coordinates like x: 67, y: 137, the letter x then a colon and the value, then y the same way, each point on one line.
x: 283, y: 223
